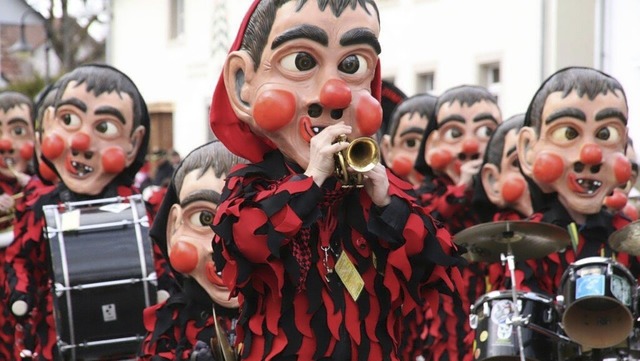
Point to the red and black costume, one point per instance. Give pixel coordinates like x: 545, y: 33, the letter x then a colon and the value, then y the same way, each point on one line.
x: 9, y: 186
x: 449, y: 335
x: 273, y: 225
x: 182, y: 325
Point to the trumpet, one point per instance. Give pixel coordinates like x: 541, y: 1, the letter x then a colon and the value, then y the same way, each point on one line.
x: 361, y: 156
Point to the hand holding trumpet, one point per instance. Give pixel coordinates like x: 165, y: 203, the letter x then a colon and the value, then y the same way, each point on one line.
x: 322, y: 162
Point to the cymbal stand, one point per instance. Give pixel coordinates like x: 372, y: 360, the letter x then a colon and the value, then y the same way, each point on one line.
x: 515, y: 319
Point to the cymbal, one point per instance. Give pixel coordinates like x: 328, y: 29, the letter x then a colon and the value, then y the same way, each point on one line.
x: 485, y: 242
x: 626, y: 239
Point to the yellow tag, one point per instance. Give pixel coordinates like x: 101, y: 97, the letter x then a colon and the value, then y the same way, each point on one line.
x: 573, y: 233
x: 71, y: 220
x: 349, y: 276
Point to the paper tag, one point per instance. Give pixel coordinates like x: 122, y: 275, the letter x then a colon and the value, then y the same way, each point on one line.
x: 349, y: 276
x: 115, y: 207
x: 71, y: 220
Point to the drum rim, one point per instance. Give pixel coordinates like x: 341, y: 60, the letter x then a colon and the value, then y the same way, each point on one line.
x: 507, y: 294
x: 596, y: 261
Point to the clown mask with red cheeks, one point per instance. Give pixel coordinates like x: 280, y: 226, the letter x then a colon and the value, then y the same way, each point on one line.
x: 16, y: 140
x: 89, y: 139
x: 316, y: 70
x: 400, y: 152
x: 505, y: 186
x: 579, y: 152
x: 189, y: 233
x: 462, y: 136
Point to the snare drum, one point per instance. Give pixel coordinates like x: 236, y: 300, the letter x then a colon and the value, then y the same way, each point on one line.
x: 103, y: 275
x: 497, y: 338
x: 597, y: 302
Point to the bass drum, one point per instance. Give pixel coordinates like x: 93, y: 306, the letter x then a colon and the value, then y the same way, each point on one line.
x: 597, y: 298
x: 496, y: 338
x: 103, y: 276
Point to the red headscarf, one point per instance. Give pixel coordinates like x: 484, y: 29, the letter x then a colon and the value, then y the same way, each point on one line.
x: 235, y: 134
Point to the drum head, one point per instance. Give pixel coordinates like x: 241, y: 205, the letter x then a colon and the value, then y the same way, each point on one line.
x: 597, y: 322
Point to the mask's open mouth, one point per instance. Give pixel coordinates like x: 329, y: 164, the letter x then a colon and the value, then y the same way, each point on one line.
x: 584, y: 185
x: 78, y: 168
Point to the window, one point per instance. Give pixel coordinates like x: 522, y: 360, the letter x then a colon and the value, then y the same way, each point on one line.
x: 490, y: 78
x: 425, y: 82
x: 176, y: 15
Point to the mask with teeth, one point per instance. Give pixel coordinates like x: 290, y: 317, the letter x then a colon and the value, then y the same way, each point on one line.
x: 87, y: 147
x: 578, y: 151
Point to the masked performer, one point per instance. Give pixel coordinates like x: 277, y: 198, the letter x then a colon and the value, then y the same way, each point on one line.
x: 450, y: 155
x: 401, y: 144
x: 94, y: 137
x: 572, y: 151
x: 325, y: 272
x: 16, y: 151
x: 183, y: 231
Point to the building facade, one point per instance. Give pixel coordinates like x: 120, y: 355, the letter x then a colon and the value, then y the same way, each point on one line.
x: 174, y: 50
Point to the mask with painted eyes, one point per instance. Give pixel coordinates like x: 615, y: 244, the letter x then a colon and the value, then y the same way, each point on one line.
x: 580, y: 150
x: 189, y: 233
x: 462, y: 136
x: 89, y: 138
x: 16, y: 140
x: 304, y: 84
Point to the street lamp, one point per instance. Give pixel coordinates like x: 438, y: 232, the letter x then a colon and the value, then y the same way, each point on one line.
x: 23, y: 47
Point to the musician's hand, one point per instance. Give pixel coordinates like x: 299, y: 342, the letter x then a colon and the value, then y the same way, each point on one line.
x: 467, y: 171
x: 376, y: 183
x: 6, y: 203
x: 322, y: 150
x: 202, y: 352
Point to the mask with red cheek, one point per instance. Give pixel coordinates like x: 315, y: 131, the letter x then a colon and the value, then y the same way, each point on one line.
x: 52, y: 146
x: 273, y: 109
x: 631, y: 211
x: 402, y: 166
x: 617, y: 200
x: 368, y: 115
x: 621, y: 168
x: 513, y: 188
x: 548, y: 167
x: 113, y: 160
x: 184, y: 257
x: 26, y: 151
x: 438, y: 159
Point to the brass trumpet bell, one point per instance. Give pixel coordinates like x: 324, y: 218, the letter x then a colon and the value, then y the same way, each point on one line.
x: 361, y: 156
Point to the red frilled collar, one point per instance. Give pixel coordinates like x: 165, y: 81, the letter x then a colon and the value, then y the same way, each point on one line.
x: 235, y: 134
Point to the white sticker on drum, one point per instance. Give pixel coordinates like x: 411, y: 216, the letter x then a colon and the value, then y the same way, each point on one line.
x: 621, y: 289
x: 70, y: 220
x: 590, y: 285
x: 109, y: 312
x: 501, y: 313
x: 115, y: 207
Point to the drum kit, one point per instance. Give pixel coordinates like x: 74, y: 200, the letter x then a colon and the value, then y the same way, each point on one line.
x: 595, y: 314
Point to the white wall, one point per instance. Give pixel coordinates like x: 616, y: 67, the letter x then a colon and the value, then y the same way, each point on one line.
x: 450, y: 37
x: 622, y: 55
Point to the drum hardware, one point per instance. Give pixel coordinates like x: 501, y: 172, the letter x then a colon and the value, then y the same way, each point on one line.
x: 516, y: 319
x: 361, y: 155
x: 487, y: 242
